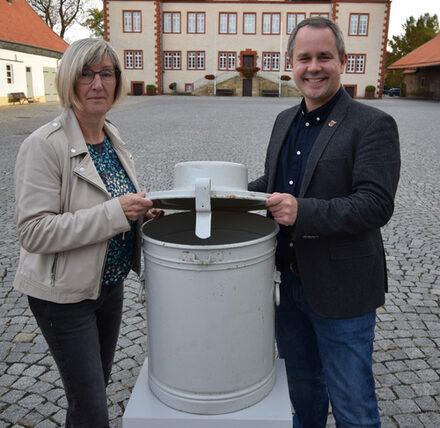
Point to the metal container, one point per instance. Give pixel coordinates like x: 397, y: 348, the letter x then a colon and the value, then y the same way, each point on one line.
x: 210, y: 311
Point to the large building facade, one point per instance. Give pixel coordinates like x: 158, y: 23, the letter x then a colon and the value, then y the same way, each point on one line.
x: 237, y: 47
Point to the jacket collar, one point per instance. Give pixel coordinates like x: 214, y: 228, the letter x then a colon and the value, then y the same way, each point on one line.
x: 334, y: 120
x: 77, y: 144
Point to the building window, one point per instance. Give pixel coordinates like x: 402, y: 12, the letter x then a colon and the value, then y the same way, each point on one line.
x: 132, y: 21
x: 171, y: 60
x: 288, y: 66
x: 228, y: 23
x: 293, y: 19
x: 196, y: 60
x: 355, y: 63
x: 271, y: 23
x: 227, y: 60
x: 358, y: 24
x: 271, y: 61
x: 196, y: 22
x: 171, y: 22
x: 249, y: 21
x: 323, y: 14
x: 189, y: 88
x: 133, y: 59
x: 9, y: 74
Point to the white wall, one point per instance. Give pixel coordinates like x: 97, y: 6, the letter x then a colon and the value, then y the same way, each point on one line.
x: 19, y: 62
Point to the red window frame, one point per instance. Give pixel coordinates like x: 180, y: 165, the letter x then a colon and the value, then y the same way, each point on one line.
x: 172, y: 60
x: 227, y: 53
x: 271, y: 23
x: 271, y: 61
x: 172, y: 13
x: 358, y: 24
x: 228, y: 14
x: 323, y: 14
x: 131, y: 14
x: 196, y: 15
x: 133, y: 52
x: 355, y: 63
x: 196, y: 68
x: 255, y: 26
x: 296, y: 19
x: 189, y: 88
x: 287, y: 65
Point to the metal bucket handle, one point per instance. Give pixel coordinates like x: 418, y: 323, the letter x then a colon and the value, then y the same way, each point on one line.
x: 277, y: 282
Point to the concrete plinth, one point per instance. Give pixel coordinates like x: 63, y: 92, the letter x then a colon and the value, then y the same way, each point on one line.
x: 144, y: 410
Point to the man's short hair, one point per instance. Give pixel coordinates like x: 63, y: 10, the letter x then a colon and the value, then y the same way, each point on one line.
x: 317, y: 22
x: 78, y: 55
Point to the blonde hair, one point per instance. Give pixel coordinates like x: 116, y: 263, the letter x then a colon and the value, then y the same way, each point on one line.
x: 78, y: 55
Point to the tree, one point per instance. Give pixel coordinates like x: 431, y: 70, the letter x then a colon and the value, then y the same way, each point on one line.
x: 57, y: 14
x: 95, y: 21
x: 415, y: 34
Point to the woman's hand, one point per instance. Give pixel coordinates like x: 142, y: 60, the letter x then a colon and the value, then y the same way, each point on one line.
x: 135, y: 205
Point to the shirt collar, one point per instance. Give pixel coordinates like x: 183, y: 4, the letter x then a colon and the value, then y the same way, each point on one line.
x: 321, y: 113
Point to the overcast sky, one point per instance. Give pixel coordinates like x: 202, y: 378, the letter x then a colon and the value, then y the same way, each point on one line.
x: 400, y: 11
x: 403, y: 9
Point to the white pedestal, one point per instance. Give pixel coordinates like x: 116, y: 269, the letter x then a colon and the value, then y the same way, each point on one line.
x: 144, y: 410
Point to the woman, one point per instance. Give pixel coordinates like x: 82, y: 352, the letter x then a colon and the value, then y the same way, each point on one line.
x: 78, y: 209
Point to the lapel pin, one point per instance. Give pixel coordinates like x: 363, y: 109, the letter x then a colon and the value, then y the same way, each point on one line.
x: 332, y: 123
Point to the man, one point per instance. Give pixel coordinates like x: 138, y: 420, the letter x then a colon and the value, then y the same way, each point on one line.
x: 332, y: 169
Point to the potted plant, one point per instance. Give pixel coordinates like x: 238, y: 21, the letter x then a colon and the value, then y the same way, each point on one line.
x: 151, y: 89
x: 172, y: 86
x: 369, y: 91
x: 248, y: 72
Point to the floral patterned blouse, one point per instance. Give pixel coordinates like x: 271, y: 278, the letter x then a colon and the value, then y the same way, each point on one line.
x: 117, y: 182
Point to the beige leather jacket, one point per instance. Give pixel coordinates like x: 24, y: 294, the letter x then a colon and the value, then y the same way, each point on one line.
x: 65, y: 216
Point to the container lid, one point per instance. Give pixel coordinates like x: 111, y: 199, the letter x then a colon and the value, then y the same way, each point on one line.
x: 205, y: 186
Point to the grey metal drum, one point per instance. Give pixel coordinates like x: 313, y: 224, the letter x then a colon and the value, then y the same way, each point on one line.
x: 210, y: 311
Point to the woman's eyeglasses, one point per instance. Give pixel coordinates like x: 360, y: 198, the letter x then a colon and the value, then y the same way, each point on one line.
x: 88, y: 76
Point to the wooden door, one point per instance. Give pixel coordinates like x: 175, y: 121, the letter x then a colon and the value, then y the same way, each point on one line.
x: 247, y: 87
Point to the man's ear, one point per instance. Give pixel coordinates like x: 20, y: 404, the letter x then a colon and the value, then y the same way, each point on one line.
x: 343, y: 63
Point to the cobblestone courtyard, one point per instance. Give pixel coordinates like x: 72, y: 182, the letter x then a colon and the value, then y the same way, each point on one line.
x: 161, y: 131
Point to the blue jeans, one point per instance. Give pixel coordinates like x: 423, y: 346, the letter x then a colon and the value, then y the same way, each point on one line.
x: 327, y: 359
x: 82, y: 338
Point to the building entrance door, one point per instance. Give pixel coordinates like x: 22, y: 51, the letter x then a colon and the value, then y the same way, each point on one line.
x: 350, y: 90
x: 247, y: 87
x: 137, y: 88
x: 50, y: 91
x: 248, y: 61
x: 29, y: 85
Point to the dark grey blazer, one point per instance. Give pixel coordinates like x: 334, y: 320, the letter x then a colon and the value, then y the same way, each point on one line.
x: 347, y: 194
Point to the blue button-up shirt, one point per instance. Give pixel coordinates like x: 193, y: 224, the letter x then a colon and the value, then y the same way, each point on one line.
x: 292, y: 164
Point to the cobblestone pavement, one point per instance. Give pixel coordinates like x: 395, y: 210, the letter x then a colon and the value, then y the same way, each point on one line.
x: 161, y: 131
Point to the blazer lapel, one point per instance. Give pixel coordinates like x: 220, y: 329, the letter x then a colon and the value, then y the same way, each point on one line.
x: 334, y: 121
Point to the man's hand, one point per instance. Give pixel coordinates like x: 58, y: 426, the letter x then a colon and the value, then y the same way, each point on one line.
x: 153, y: 213
x: 135, y: 205
x: 284, y: 208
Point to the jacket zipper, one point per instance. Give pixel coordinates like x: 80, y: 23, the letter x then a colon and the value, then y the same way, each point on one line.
x: 103, y: 267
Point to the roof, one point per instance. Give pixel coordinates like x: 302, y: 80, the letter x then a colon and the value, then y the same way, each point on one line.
x: 424, y: 56
x: 19, y: 23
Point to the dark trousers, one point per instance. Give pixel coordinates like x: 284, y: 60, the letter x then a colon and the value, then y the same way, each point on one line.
x: 327, y: 359
x: 82, y: 338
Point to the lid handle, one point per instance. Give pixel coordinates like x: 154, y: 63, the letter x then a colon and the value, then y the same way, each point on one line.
x: 203, y: 207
